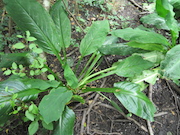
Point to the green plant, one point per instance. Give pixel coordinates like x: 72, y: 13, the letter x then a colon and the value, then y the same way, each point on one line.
x: 151, y: 56
x: 37, y: 62
x: 92, y: 2
x: 104, y: 5
x: 7, y: 37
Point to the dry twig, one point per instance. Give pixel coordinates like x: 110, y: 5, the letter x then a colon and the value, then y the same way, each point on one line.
x: 148, y: 122
x: 83, y: 122
x: 102, y: 133
x: 176, y: 104
x: 129, y: 118
x: 160, y: 114
x: 136, y: 4
x: 88, y: 123
x: 85, y: 94
x: 92, y: 104
x: 86, y: 112
x: 72, y: 16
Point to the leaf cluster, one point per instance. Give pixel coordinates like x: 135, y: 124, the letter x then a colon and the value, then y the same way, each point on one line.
x: 150, y: 56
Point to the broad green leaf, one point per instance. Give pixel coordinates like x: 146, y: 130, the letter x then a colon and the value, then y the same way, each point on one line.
x: 176, y: 6
x: 171, y: 64
x: 165, y: 10
x: 47, y: 126
x: 109, y: 90
x: 119, y: 49
x: 134, y: 100
x: 33, y: 127
x: 62, y: 22
x: 154, y: 19
x: 29, y: 92
x: 40, y: 84
x: 5, y: 109
x: 147, y: 76
x: 154, y: 56
x: 132, y: 66
x: 147, y: 46
x: 162, y: 7
x: 94, y: 38
x: 13, y: 86
x: 6, y: 60
x: 110, y: 40
x: 52, y: 105
x: 175, y: 3
x: 78, y: 98
x: 30, y: 16
x: 70, y: 77
x: 164, y: 17
x: 66, y: 122
x: 26, y: 90
x: 142, y: 27
x: 140, y: 36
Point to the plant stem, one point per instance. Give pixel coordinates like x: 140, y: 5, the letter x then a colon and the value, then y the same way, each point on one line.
x: 102, y: 76
x: 104, y: 96
x: 89, y: 70
x: 64, y: 53
x: 87, y: 64
x: 173, y: 39
x: 114, y: 104
x: 97, y: 73
x: 98, y: 56
x: 98, y: 63
x: 59, y: 58
x: 79, y: 61
x: 72, y: 15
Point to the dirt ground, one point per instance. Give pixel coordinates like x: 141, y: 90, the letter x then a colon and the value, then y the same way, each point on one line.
x: 97, y: 116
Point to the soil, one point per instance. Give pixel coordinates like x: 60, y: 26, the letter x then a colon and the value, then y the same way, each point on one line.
x: 96, y: 116
x: 103, y: 120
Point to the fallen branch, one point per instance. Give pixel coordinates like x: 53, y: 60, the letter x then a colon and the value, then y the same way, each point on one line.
x: 148, y: 122
x: 129, y: 118
x: 74, y: 18
x: 176, y: 104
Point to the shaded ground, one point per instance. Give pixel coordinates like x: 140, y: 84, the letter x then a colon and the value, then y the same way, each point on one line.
x: 103, y: 120
x: 96, y: 116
